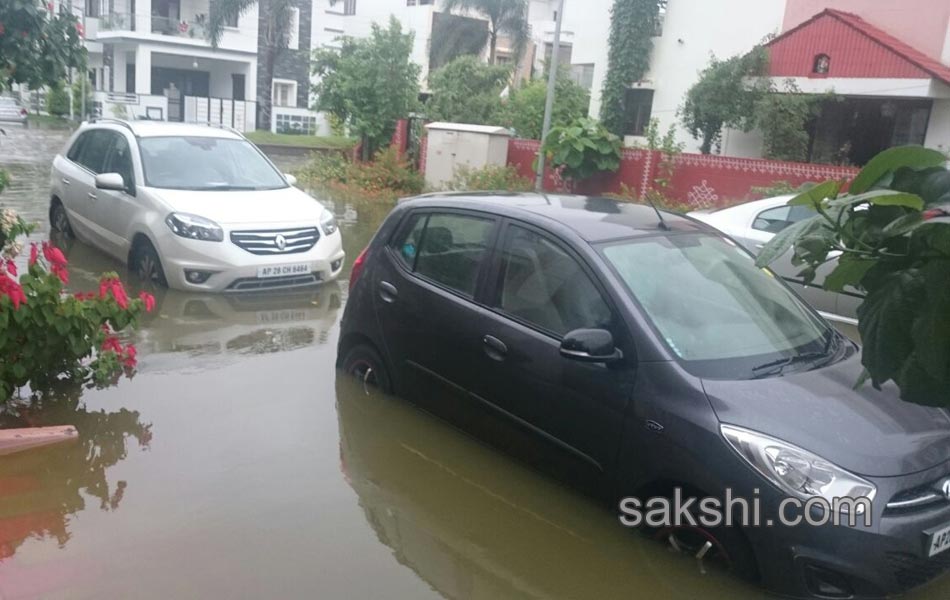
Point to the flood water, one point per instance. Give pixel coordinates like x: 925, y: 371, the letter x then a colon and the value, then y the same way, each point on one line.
x: 237, y: 463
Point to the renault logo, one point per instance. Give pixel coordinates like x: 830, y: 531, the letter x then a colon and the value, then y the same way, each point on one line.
x: 281, y: 242
x: 945, y: 488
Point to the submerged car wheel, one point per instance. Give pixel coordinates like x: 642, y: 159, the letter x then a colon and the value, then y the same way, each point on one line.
x: 147, y: 265
x: 59, y: 220
x: 721, y: 548
x: 365, y: 364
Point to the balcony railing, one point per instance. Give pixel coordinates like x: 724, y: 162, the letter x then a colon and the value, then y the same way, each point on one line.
x: 196, y: 28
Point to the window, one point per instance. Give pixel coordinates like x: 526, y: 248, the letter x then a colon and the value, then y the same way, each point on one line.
x: 76, y: 149
x: 285, y: 92
x: 349, y: 7
x: 638, y: 109
x: 120, y: 161
x: 92, y: 155
x: 564, y: 55
x: 169, y: 162
x: 776, y: 219
x: 407, y: 246
x: 293, y: 32
x: 583, y: 75
x: 723, y: 315
x: 295, y: 124
x: 449, y: 250
x: 540, y: 284
x: 822, y: 64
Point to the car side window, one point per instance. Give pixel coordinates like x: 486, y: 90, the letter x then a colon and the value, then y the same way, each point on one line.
x: 406, y: 244
x: 94, y: 150
x: 541, y: 284
x: 450, y: 249
x: 120, y: 161
x: 772, y: 220
x: 76, y: 148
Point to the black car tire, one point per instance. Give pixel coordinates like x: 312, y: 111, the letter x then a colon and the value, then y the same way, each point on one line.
x: 364, y: 363
x: 728, y: 546
x: 147, y: 265
x: 59, y: 220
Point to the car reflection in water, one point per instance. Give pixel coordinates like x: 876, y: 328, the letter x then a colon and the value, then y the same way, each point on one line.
x: 211, y: 327
x: 473, y: 524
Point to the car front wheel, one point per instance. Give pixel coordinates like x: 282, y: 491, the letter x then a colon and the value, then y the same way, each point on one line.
x: 59, y: 220
x: 147, y: 265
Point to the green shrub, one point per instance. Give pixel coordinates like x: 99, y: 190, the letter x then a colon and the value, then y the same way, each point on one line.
x: 525, y: 108
x: 582, y: 149
x: 467, y: 91
x: 322, y: 169
x: 489, y: 178
x: 388, y: 172
x: 57, y: 100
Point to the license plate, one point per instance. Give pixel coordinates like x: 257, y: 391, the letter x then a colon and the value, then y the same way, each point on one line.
x: 939, y: 541
x: 275, y: 317
x: 283, y: 270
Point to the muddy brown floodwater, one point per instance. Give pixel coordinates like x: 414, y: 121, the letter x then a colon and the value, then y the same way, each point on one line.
x: 236, y: 463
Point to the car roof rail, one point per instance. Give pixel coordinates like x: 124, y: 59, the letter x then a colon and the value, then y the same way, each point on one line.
x: 112, y: 121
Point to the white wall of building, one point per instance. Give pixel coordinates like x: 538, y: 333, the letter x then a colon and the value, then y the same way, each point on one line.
x: 692, y: 31
x: 938, y: 131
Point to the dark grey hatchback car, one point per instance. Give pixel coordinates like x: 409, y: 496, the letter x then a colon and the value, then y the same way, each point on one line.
x: 632, y: 353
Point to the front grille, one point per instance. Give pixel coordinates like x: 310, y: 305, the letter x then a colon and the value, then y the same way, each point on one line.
x: 920, y: 497
x: 250, y: 284
x: 912, y: 571
x: 267, y: 242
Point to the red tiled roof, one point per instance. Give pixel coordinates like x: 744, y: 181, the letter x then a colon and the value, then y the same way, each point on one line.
x: 922, y: 61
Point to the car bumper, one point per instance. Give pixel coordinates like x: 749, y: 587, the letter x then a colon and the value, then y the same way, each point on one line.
x: 233, y: 269
x: 888, y: 558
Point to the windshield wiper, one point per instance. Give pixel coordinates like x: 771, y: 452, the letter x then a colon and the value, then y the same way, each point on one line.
x: 776, y: 367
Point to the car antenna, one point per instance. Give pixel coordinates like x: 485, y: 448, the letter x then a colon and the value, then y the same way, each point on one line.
x: 662, y: 225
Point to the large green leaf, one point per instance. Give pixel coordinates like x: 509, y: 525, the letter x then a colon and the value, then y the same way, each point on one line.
x: 889, y: 161
x: 816, y: 195
x: 885, y: 321
x: 879, y: 198
x: 850, y: 271
x: 785, y: 239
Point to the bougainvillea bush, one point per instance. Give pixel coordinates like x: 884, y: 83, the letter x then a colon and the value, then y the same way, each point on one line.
x: 47, y: 334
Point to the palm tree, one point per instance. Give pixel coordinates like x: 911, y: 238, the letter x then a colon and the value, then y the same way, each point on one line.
x: 508, y: 17
x: 272, y: 40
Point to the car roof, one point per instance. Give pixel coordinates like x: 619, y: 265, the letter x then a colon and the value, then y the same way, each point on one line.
x: 593, y: 218
x: 146, y: 128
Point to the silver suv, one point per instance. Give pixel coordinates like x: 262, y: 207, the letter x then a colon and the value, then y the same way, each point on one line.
x: 194, y: 207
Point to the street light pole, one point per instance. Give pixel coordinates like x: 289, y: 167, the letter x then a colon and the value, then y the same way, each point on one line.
x: 549, y: 101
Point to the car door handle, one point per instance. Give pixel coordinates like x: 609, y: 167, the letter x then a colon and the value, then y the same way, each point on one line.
x: 388, y: 292
x: 495, y: 348
x: 92, y: 196
x: 65, y: 181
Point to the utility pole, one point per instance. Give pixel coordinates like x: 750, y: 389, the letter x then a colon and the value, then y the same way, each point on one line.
x: 549, y: 101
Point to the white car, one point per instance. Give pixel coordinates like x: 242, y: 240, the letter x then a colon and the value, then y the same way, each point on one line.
x: 753, y: 224
x: 194, y: 207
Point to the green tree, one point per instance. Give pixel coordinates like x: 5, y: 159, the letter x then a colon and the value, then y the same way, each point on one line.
x: 467, y: 91
x: 77, y: 89
x: 525, y: 110
x: 272, y: 41
x: 782, y: 117
x: 633, y: 25
x: 723, y: 97
x: 57, y: 99
x: 890, y: 242
x: 582, y: 149
x: 369, y: 83
x: 505, y: 17
x: 37, y: 46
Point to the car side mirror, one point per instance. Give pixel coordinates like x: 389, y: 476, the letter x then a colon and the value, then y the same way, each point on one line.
x: 110, y: 181
x: 291, y: 180
x: 590, y: 345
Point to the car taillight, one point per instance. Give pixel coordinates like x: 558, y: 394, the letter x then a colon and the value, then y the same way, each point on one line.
x: 358, y: 265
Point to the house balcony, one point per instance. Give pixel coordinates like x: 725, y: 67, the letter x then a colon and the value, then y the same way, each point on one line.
x: 166, y: 22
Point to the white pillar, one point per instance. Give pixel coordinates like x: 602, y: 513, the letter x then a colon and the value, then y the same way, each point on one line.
x: 143, y: 70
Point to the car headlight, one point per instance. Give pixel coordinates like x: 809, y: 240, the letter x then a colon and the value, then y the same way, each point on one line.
x: 794, y: 470
x: 194, y: 227
x: 328, y: 223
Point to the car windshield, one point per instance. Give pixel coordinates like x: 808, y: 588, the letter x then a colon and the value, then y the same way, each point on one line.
x: 206, y: 163
x: 719, y: 313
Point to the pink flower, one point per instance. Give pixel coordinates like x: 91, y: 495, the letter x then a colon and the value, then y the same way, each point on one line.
x: 11, y: 267
x: 130, y: 357
x: 12, y: 289
x: 53, y: 255
x: 148, y: 300
x: 34, y: 253
x: 111, y: 343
